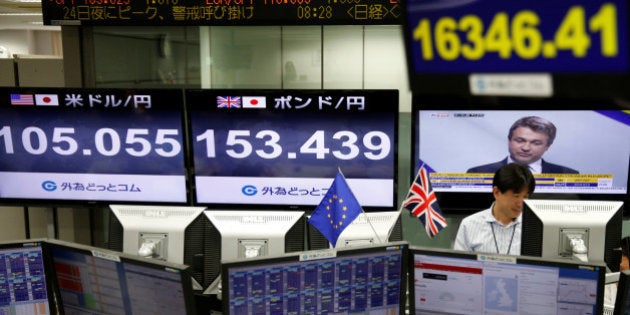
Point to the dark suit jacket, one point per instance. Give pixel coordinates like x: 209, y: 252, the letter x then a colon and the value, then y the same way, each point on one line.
x: 547, y: 168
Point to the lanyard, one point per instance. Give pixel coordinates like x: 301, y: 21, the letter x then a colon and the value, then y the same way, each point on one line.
x: 495, y: 238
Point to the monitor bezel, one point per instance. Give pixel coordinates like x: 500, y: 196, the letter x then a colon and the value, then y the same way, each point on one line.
x: 463, y: 203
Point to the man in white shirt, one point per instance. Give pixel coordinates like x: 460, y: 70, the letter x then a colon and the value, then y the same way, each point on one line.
x: 497, y: 230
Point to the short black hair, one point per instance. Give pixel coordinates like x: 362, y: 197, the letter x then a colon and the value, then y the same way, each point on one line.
x: 514, y: 177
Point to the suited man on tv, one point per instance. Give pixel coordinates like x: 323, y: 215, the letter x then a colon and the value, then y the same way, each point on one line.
x: 528, y: 139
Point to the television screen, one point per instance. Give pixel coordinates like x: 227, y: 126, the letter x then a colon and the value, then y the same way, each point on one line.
x: 25, y: 279
x: 93, y: 280
x: 354, y: 280
x: 92, y: 145
x: 570, y: 151
x: 454, y: 282
x: 283, y: 148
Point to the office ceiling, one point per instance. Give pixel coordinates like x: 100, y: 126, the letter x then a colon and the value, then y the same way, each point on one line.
x: 20, y: 14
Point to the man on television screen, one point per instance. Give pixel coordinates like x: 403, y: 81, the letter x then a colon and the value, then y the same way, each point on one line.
x: 528, y: 139
x: 497, y: 230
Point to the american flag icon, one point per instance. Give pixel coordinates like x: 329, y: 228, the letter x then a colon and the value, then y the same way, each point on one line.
x: 228, y: 102
x: 22, y: 99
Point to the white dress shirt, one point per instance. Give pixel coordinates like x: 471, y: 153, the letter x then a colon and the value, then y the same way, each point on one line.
x: 481, y: 232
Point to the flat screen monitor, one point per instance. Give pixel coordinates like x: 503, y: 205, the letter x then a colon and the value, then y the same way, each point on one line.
x: 369, y: 228
x: 454, y: 282
x: 241, y: 234
x: 91, y: 145
x: 25, y: 279
x: 354, y: 280
x: 622, y: 299
x: 96, y: 281
x: 464, y: 140
x: 282, y: 148
x: 177, y: 234
x: 575, y: 229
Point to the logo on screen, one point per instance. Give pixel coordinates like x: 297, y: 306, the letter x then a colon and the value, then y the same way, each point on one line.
x: 249, y: 190
x: 49, y: 185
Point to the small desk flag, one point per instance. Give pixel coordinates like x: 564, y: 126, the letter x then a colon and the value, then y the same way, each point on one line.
x: 422, y: 203
x: 336, y: 211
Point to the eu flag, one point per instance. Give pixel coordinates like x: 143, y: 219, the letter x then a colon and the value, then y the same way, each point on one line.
x: 336, y: 211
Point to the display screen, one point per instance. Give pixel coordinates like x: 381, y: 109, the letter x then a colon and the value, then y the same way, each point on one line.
x: 284, y: 148
x: 361, y: 281
x: 518, y: 36
x: 482, y: 284
x: 91, y: 280
x: 92, y: 145
x: 582, y: 45
x: 216, y: 12
x: 24, y: 283
x: 580, y: 160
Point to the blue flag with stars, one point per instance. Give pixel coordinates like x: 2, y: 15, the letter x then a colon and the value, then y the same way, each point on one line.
x: 336, y: 211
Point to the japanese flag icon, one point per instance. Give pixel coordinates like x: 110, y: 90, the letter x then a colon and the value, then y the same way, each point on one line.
x: 254, y: 102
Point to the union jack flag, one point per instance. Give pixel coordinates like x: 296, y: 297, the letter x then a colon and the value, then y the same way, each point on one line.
x: 228, y: 102
x: 422, y: 203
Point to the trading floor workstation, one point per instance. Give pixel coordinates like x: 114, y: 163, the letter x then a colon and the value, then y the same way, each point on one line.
x: 208, y: 235
x: 209, y: 192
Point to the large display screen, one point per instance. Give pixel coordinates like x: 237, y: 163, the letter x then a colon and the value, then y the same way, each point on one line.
x: 92, y: 145
x: 216, y: 12
x: 283, y: 148
x: 588, y: 154
x: 579, y: 42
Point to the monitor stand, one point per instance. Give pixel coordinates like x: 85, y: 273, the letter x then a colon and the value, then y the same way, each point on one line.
x: 214, y: 288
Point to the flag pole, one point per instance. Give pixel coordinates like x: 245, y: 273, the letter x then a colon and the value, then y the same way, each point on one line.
x: 367, y: 218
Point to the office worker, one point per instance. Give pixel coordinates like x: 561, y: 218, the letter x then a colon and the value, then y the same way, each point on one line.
x: 497, y: 230
x: 528, y: 139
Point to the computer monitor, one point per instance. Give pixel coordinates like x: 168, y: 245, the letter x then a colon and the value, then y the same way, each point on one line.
x: 367, y: 229
x: 241, y: 234
x: 456, y: 282
x: 25, y: 279
x: 353, y: 280
x: 578, y: 229
x: 281, y: 149
x: 93, y: 280
x: 622, y: 299
x: 177, y: 234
